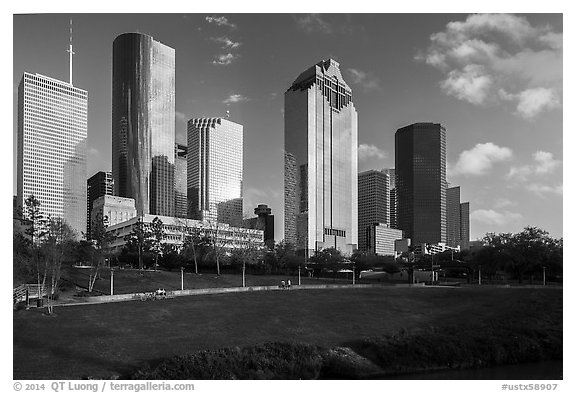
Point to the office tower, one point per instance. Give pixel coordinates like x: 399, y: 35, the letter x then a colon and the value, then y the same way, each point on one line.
x: 99, y: 184
x: 180, y: 179
x: 453, y: 216
x: 215, y: 165
x: 373, y: 203
x: 421, y: 182
x: 321, y: 161
x: 465, y: 226
x: 264, y: 221
x: 392, y: 196
x: 143, y: 122
x: 52, y: 132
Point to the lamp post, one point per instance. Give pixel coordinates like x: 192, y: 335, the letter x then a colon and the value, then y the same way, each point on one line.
x: 298, y: 275
x: 111, y: 281
x: 353, y: 275
x: 480, y: 275
x: 543, y: 275
x: 243, y: 273
x: 182, y: 277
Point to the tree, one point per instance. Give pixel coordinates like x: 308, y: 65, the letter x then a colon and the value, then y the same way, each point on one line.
x: 330, y: 258
x: 139, y: 240
x: 55, y: 248
x: 157, y: 229
x: 101, y: 239
x: 520, y: 254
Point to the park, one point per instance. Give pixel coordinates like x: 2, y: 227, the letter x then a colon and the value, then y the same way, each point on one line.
x: 468, y: 326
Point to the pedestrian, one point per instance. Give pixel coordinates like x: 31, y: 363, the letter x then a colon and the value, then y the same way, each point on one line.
x: 289, y: 283
x: 282, y: 284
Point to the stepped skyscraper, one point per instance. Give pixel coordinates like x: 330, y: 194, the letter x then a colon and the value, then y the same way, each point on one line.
x: 143, y: 122
x: 321, y: 161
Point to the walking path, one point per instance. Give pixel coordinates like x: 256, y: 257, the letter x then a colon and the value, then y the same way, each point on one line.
x: 78, y: 301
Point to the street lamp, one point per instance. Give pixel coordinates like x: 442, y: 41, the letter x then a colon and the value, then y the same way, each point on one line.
x: 543, y: 275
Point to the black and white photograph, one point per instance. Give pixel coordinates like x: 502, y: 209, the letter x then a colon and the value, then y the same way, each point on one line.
x: 350, y: 195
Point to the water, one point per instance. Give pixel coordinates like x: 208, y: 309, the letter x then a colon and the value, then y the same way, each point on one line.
x: 549, y: 370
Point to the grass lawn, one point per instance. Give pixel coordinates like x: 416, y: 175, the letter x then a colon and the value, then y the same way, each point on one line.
x: 115, y: 338
x: 132, y: 281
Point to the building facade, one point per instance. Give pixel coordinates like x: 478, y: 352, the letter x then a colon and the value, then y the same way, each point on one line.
x: 421, y: 182
x: 321, y: 161
x: 99, y: 184
x: 373, y: 203
x: 465, y: 225
x: 264, y: 221
x: 143, y: 122
x: 381, y: 239
x: 215, y: 169
x: 180, y: 180
x: 453, y: 216
x: 175, y: 230
x: 51, y: 157
x: 115, y: 209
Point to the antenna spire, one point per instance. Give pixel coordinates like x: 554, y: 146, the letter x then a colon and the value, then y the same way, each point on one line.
x: 70, y: 51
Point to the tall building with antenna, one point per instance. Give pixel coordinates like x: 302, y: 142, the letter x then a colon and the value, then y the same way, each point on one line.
x: 51, y: 157
x: 143, y: 122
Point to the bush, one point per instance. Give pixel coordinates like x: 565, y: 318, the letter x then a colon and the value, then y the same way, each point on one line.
x: 266, y: 361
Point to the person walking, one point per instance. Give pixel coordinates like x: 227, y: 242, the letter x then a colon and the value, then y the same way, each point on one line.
x: 289, y: 283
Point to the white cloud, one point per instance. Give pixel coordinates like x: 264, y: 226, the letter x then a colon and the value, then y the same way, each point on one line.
x: 503, y: 202
x: 366, y: 81
x: 220, y: 21
x: 490, y: 58
x: 92, y: 151
x: 227, y: 43
x: 366, y: 152
x: 480, y: 159
x: 542, y: 190
x: 469, y: 84
x: 313, y: 23
x: 545, y: 163
x: 225, y: 59
x: 233, y: 98
x: 532, y: 102
x: 493, y: 217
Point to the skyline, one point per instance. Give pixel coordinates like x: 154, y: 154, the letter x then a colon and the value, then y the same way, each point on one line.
x: 487, y: 86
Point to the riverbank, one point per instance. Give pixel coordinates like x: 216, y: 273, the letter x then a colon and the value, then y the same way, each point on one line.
x: 396, y: 355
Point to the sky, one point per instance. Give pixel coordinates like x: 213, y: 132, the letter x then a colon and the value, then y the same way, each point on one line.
x: 495, y: 81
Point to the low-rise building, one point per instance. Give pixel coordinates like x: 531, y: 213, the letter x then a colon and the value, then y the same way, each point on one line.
x: 381, y: 239
x: 176, y: 228
x: 116, y: 209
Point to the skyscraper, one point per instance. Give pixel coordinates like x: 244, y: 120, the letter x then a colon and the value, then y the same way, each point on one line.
x: 99, y: 184
x: 180, y: 179
x: 215, y: 168
x: 421, y: 182
x: 392, y: 196
x: 453, y: 216
x: 52, y: 132
x: 465, y: 225
x: 321, y: 160
x: 373, y: 203
x: 143, y: 122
